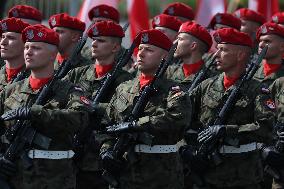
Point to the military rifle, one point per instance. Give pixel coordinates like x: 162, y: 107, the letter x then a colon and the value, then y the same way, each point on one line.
x: 210, y: 149
x: 126, y: 140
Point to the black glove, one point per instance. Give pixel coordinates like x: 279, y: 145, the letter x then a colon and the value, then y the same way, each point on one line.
x: 124, y: 127
x: 7, y: 168
x: 110, y: 163
x: 21, y: 113
x: 272, y: 157
x: 212, y: 134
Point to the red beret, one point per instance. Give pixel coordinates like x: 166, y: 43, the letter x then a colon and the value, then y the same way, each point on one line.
x: 278, y: 18
x: 64, y: 20
x: 179, y: 9
x: 225, y: 19
x: 154, y: 37
x: 40, y: 33
x: 24, y: 11
x: 232, y: 36
x: 106, y: 28
x: 13, y: 25
x: 270, y: 28
x: 250, y: 15
x: 104, y: 11
x: 197, y: 31
x: 167, y: 21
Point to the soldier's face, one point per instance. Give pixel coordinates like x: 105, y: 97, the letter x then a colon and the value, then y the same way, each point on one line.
x: 226, y: 57
x: 39, y: 55
x: 249, y: 27
x: 275, y: 46
x: 171, y: 34
x: 103, y: 47
x: 12, y: 46
x: 65, y: 36
x: 149, y: 58
x: 184, y: 46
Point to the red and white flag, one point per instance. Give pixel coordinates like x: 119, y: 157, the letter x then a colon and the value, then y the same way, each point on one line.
x: 138, y: 16
x: 265, y: 7
x: 206, y: 9
x: 89, y: 4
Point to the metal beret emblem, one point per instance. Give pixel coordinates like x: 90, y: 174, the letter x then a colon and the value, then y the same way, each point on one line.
x: 145, y: 38
x: 95, y: 31
x: 15, y: 13
x: 157, y: 20
x: 4, y: 26
x: 218, y: 18
x: 53, y: 21
x: 30, y: 34
x: 238, y: 14
x: 171, y: 10
x: 275, y: 19
x: 264, y: 30
x: 96, y: 12
x: 40, y: 34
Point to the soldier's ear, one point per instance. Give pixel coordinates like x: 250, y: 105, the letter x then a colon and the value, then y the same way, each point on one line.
x: 116, y: 47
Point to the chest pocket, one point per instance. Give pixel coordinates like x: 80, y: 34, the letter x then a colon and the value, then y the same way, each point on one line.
x: 15, y: 101
x: 121, y: 103
x: 211, y: 100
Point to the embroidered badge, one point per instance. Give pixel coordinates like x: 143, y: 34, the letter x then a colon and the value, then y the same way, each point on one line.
x: 145, y: 38
x: 85, y: 100
x: 4, y: 26
x: 53, y: 21
x: 270, y: 104
x: 176, y: 88
x: 30, y: 34
x: 171, y: 10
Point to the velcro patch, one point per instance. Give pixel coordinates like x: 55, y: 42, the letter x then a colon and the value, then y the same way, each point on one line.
x: 270, y: 104
x: 85, y: 100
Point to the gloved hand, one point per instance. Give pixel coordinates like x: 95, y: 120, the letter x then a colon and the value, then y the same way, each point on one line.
x: 21, y: 113
x: 124, y: 127
x: 7, y: 168
x: 272, y: 157
x: 212, y: 134
x: 110, y: 163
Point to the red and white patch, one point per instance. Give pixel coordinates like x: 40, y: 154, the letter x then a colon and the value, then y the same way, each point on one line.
x: 85, y: 100
x: 270, y: 104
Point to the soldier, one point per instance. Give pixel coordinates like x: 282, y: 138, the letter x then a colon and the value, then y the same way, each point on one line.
x: 193, y: 41
x: 106, y: 37
x: 65, y: 113
x: 249, y: 123
x: 251, y: 21
x: 180, y: 10
x: 26, y: 13
x: 12, y: 50
x: 272, y: 66
x: 169, y: 25
x: 104, y: 12
x: 164, y: 117
x: 70, y: 30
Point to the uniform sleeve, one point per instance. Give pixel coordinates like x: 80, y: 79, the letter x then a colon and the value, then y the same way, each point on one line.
x: 278, y: 96
x: 261, y: 129
x: 71, y: 118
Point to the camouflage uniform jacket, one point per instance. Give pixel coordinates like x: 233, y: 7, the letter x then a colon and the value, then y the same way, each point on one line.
x: 267, y: 81
x: 80, y: 61
x: 59, y: 119
x: 277, y: 90
x: 2, y: 62
x: 3, y: 77
x: 86, y: 78
x: 165, y: 117
x: 251, y: 120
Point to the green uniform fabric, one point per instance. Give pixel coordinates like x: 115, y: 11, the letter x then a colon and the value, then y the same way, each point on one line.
x: 80, y: 61
x: 59, y: 119
x: 89, y: 175
x: 251, y: 120
x: 3, y: 78
x: 2, y: 62
x: 165, y: 117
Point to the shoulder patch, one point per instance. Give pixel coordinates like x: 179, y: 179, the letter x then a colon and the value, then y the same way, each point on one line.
x: 78, y: 89
x: 175, y: 88
x: 270, y: 104
x: 85, y: 100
